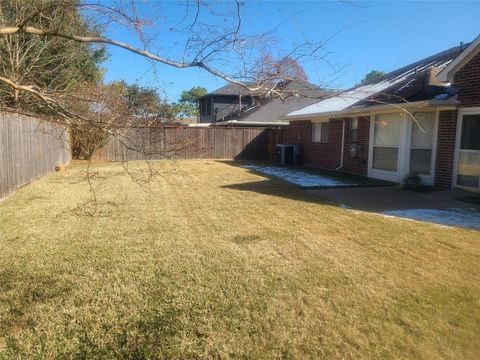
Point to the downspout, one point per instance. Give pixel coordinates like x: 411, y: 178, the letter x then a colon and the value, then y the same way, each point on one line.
x: 343, y: 145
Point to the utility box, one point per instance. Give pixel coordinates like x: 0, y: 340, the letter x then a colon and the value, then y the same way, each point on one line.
x: 288, y: 154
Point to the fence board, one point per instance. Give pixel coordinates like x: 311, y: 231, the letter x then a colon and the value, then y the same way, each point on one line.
x: 29, y: 148
x: 191, y: 143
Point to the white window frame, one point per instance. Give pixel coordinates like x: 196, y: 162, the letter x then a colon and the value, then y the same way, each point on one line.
x: 351, y: 128
x: 461, y: 112
x: 387, y: 175
x: 427, y: 179
x: 319, y: 122
x: 403, y: 166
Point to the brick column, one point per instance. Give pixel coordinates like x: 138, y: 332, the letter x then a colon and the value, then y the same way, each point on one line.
x: 447, y: 129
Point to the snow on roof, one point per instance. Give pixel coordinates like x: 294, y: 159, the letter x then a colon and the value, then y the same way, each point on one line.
x: 396, y: 81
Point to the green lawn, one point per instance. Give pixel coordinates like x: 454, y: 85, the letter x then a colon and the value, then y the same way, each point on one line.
x: 209, y: 260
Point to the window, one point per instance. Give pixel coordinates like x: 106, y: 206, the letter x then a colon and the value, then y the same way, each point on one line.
x: 202, y: 107
x: 470, y: 139
x: 320, y: 131
x: 469, y: 152
x: 353, y: 129
x: 386, y: 140
x: 385, y: 158
x: 208, y: 110
x: 206, y: 106
x: 423, y: 128
x: 469, y: 169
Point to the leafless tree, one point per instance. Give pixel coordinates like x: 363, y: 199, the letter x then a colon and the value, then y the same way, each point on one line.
x: 210, y: 37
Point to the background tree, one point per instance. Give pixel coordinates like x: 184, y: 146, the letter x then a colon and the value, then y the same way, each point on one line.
x: 115, y: 110
x: 280, y: 70
x: 47, y: 62
x: 372, y: 75
x: 189, y: 101
x: 145, y: 103
x: 105, y: 112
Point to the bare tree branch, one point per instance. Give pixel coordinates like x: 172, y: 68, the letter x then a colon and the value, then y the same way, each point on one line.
x: 94, y: 39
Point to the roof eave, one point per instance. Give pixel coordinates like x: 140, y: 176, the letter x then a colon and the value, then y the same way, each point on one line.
x: 447, y: 104
x: 448, y: 72
x: 252, y: 123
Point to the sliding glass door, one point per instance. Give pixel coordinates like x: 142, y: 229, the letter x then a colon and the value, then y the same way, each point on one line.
x: 468, y: 167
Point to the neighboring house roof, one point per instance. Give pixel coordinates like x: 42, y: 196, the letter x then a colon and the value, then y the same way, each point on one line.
x: 464, y: 57
x: 411, y: 83
x: 233, y: 89
x: 296, y: 95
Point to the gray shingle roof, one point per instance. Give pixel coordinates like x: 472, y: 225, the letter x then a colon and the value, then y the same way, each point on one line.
x: 296, y: 94
x: 232, y: 89
x: 407, y: 84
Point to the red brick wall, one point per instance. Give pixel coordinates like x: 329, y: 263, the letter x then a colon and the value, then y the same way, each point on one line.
x: 327, y: 155
x: 359, y: 164
x: 467, y: 82
x: 447, y: 128
x: 298, y: 132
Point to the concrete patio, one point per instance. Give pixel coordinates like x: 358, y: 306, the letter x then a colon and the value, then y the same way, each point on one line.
x: 388, y: 198
x: 439, y: 207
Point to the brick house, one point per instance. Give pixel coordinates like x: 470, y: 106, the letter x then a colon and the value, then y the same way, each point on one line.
x: 422, y: 119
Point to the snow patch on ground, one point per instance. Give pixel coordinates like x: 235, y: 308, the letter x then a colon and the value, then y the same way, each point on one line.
x: 466, y: 218
x: 298, y: 177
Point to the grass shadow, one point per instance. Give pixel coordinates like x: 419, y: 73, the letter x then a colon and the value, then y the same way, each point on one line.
x: 350, y: 180
x: 276, y: 187
x: 246, y: 239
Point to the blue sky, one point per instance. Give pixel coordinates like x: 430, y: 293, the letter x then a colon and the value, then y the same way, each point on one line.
x: 372, y: 35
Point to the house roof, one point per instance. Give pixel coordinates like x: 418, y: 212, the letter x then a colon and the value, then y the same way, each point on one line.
x: 297, y: 94
x: 412, y: 83
x: 288, y: 89
x: 233, y: 89
x: 456, y: 64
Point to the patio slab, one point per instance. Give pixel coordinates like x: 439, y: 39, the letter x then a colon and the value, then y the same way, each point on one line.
x: 388, y: 198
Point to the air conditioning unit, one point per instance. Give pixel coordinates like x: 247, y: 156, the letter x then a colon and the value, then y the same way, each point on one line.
x: 288, y: 154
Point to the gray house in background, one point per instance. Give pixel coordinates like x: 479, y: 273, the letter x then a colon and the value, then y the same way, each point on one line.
x: 233, y: 105
x: 221, y: 103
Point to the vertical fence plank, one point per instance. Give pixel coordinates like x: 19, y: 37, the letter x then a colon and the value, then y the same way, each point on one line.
x: 171, y: 142
x: 29, y: 148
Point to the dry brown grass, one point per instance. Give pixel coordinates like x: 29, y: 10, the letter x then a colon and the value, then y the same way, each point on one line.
x: 210, y: 260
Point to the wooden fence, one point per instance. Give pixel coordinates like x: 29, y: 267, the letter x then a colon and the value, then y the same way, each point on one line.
x: 29, y: 148
x: 191, y: 143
